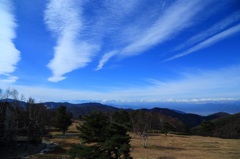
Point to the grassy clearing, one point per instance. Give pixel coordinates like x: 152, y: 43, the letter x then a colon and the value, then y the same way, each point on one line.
x: 163, y: 147
x: 186, y: 147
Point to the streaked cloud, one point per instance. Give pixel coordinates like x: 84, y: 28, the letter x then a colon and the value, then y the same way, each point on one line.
x: 176, y: 18
x: 216, y: 28
x: 10, y: 56
x: 169, y: 23
x: 208, y: 42
x: 64, y: 19
x: 80, y: 34
x: 110, y: 32
x: 104, y: 59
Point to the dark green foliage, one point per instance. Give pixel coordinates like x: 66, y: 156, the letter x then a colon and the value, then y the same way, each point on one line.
x: 224, y: 127
x: 167, y: 127
x: 187, y: 129
x: 227, y: 127
x: 63, y: 120
x: 117, y: 142
x: 94, y: 128
x: 84, y: 152
x: 238, y: 129
x: 122, y: 118
x: 208, y: 127
x: 101, y: 139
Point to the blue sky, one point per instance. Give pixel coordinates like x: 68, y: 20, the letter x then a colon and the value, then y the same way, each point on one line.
x: 128, y: 50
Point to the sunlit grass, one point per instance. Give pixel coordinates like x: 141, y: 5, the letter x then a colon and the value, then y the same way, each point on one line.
x: 160, y: 146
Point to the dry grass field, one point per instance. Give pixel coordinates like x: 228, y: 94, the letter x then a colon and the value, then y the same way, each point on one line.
x: 186, y: 147
x: 165, y: 147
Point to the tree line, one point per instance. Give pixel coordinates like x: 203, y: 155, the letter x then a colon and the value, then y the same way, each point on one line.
x: 27, y: 122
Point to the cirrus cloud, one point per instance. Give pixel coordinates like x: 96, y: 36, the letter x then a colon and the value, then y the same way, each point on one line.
x: 208, y: 42
x: 168, y: 23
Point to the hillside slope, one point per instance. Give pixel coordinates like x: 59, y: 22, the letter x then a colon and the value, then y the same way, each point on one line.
x: 191, y: 120
x: 224, y: 127
x: 82, y: 109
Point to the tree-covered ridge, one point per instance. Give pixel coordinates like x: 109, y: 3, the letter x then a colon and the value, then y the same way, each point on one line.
x: 224, y: 127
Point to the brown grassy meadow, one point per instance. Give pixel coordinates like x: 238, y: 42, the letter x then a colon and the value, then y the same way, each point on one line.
x: 186, y: 147
x: 164, y: 147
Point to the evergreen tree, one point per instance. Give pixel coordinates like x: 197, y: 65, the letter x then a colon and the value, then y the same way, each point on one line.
x: 63, y: 120
x: 122, y: 118
x: 101, y: 139
x: 167, y: 127
x: 208, y: 127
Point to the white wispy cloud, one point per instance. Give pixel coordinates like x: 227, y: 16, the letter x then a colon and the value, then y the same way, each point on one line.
x: 104, y: 59
x: 115, y: 32
x: 10, y: 56
x: 9, y: 79
x: 208, y: 42
x: 211, y: 84
x: 81, y: 35
x: 221, y: 83
x: 216, y: 28
x: 176, y: 18
x: 108, y: 17
x: 112, y: 25
x: 169, y: 23
x: 63, y: 17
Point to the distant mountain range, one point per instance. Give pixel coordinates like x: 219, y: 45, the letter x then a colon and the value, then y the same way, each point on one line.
x: 197, y: 106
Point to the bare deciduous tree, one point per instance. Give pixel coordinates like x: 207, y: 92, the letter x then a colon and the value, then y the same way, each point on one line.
x: 9, y: 116
x: 19, y: 118
x: 141, y: 123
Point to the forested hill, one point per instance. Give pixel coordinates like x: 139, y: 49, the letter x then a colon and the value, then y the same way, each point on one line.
x: 82, y: 109
x: 191, y: 120
x: 224, y: 127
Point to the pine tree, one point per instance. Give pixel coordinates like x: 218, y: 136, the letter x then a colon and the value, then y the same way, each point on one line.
x: 101, y: 139
x: 122, y: 118
x: 63, y: 119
